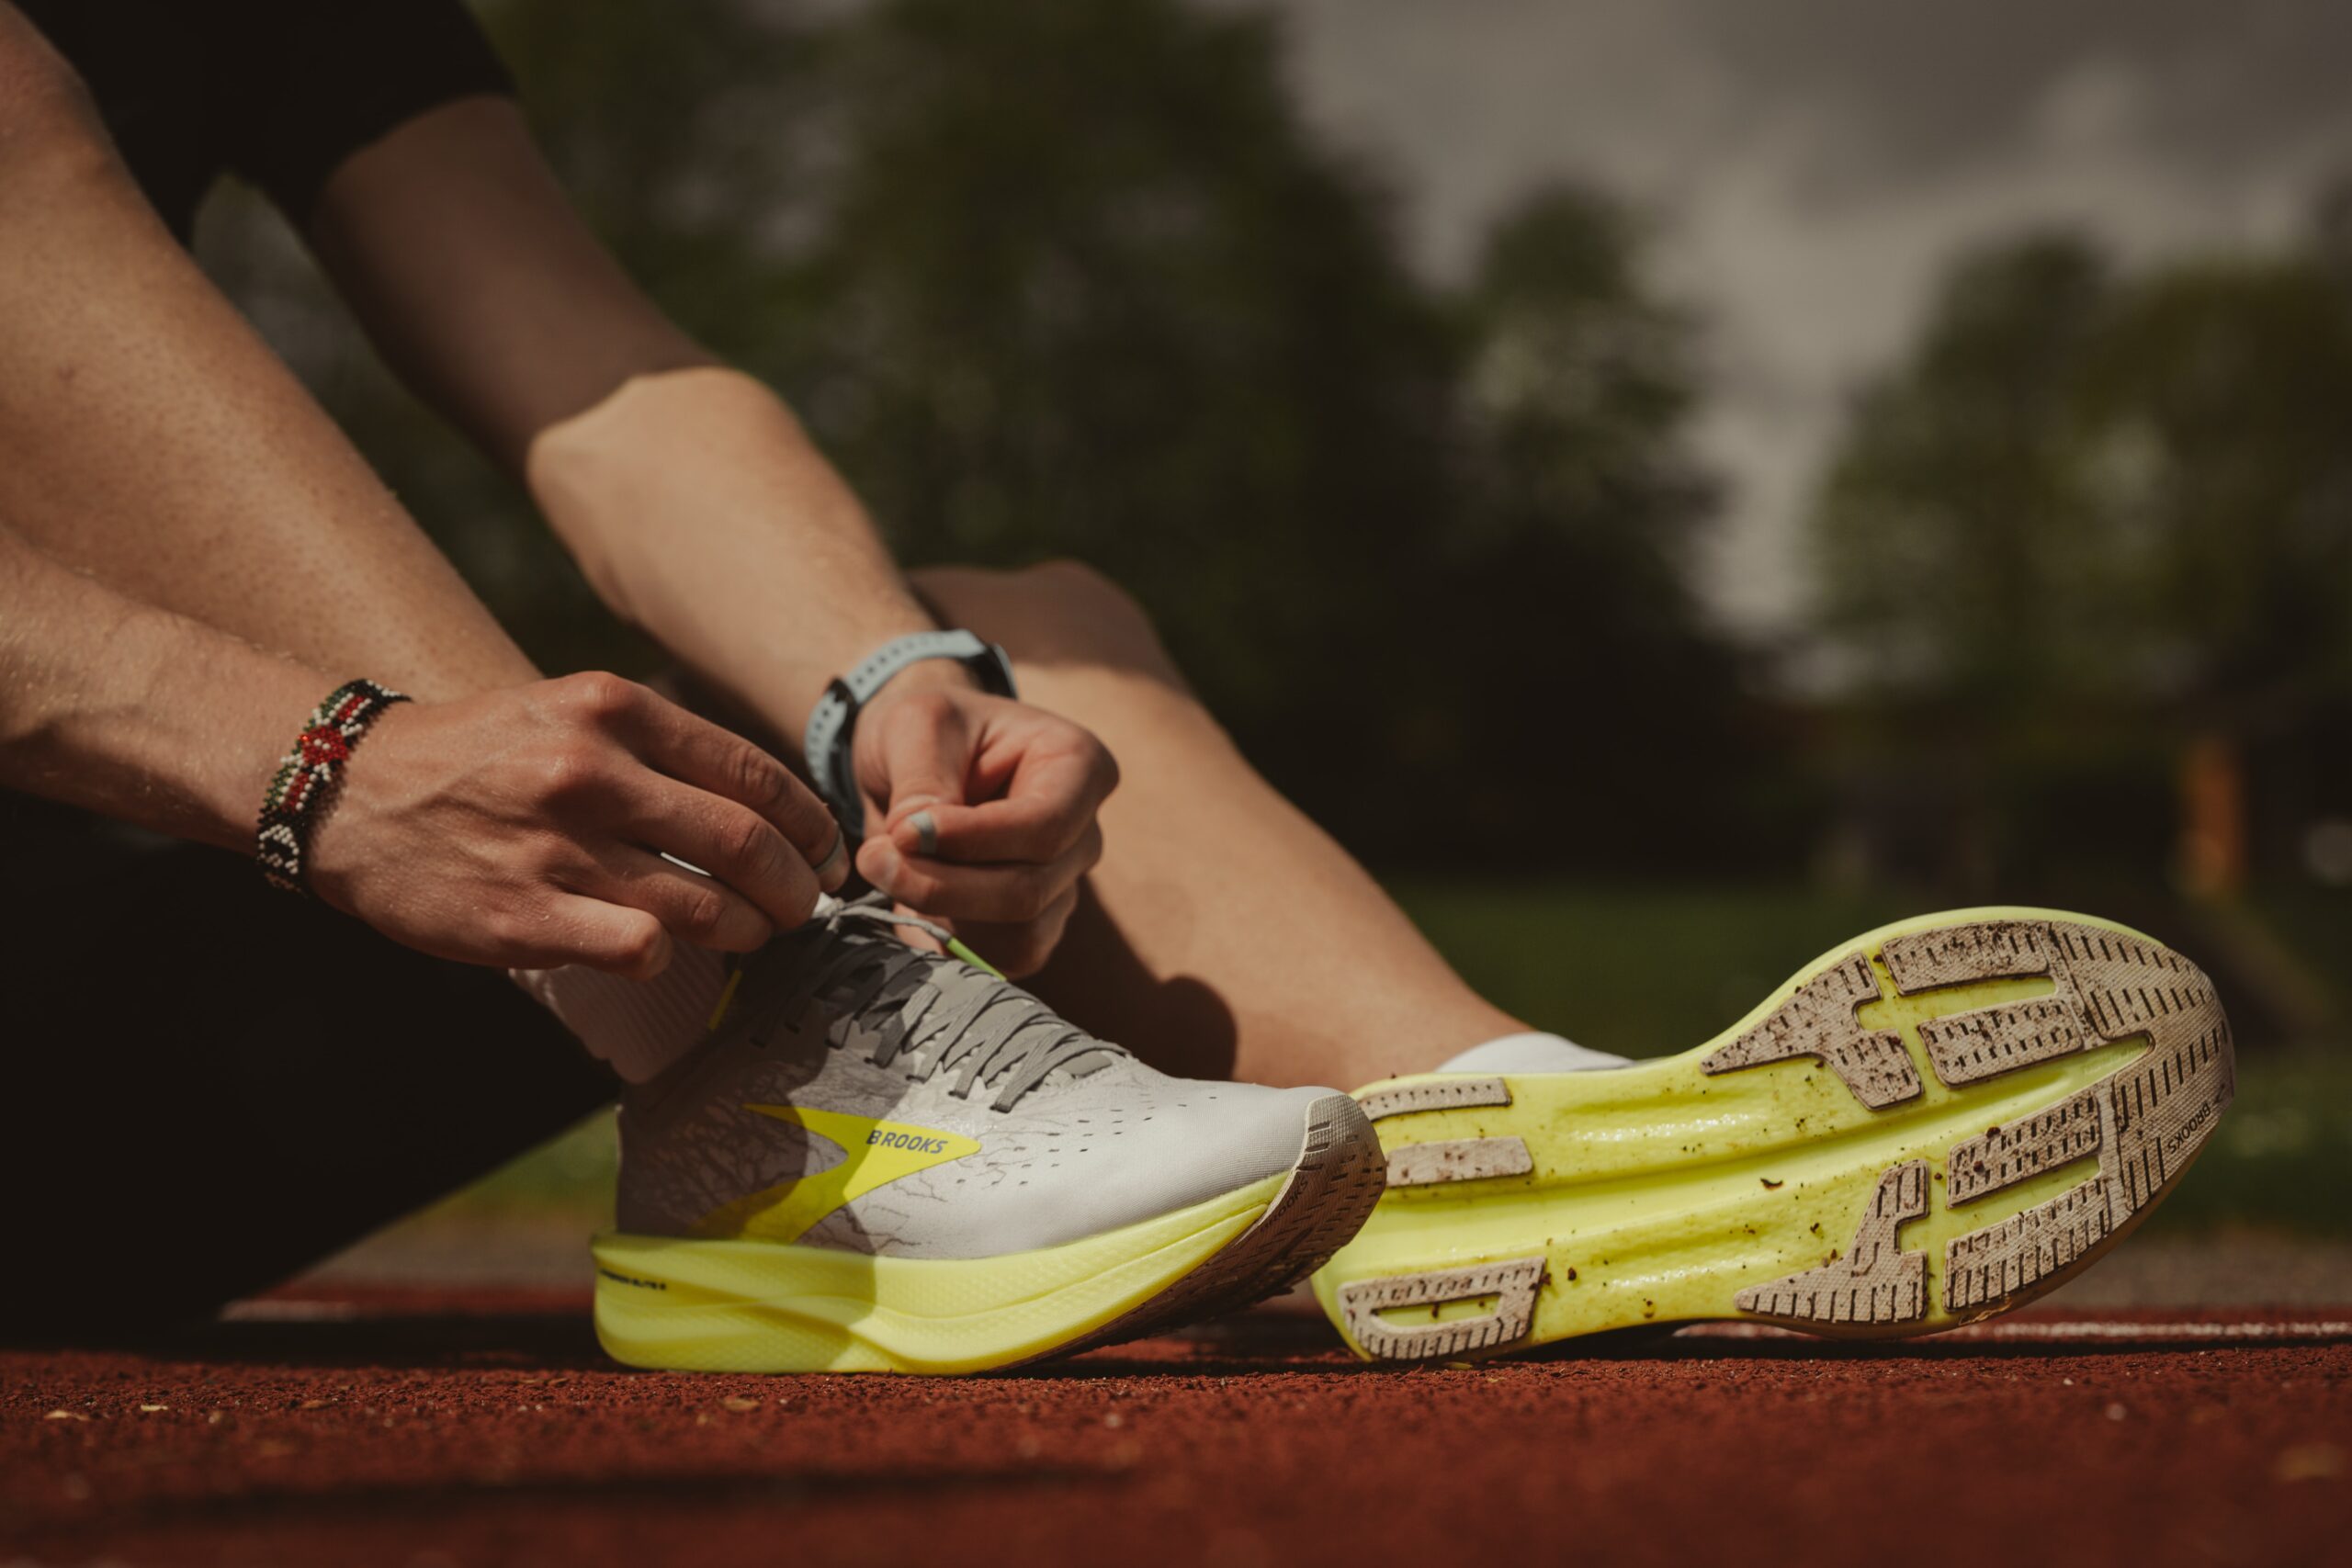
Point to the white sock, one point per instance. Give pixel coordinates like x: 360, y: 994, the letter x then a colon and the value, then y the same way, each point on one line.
x: 1531, y: 1052
x: 641, y: 1027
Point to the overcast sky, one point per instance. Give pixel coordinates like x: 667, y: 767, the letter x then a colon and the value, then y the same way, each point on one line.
x: 1811, y: 163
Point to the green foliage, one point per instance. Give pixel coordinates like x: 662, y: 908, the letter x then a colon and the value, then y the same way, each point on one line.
x: 1954, y: 517
x: 1581, y: 379
x: 2216, y: 405
x: 1637, y: 969
x: 2086, y: 517
x: 1595, y: 696
x: 682, y: 131
x: 2080, y: 486
x: 2282, y: 1158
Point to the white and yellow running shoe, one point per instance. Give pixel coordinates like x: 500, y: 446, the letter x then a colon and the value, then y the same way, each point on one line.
x: 888, y: 1161
x: 1930, y: 1124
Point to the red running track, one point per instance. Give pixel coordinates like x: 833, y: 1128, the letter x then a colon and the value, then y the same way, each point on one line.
x: 427, y: 1432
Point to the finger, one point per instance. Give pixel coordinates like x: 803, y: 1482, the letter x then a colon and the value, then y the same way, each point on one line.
x: 1047, y: 807
x: 694, y: 750
x: 1022, y: 950
x: 1000, y: 893
x: 832, y: 870
x: 731, y: 842
x: 609, y: 937
x: 692, y: 908
x: 918, y: 753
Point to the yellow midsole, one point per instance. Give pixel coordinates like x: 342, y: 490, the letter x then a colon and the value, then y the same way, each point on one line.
x: 782, y: 1307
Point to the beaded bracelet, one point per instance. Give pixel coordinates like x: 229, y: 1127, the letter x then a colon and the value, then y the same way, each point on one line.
x: 307, y: 778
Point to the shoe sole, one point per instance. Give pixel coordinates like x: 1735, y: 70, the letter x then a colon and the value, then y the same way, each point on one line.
x: 1937, y: 1121
x: 755, y: 1307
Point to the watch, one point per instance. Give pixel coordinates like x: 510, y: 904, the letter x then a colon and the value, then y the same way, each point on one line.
x: 831, y: 726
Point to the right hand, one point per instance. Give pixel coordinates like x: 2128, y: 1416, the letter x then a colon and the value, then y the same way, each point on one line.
x: 525, y: 828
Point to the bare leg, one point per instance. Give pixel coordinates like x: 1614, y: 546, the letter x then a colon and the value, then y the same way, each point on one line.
x: 1223, y: 933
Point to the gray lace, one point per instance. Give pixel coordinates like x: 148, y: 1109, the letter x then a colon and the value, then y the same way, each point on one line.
x: 936, y: 1014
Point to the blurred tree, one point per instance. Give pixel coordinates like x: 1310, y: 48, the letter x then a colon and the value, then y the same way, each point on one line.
x: 683, y: 133
x: 1572, y: 677
x: 2332, y: 227
x: 1953, y: 523
x: 2090, y: 523
x: 1070, y: 277
x: 2216, y: 401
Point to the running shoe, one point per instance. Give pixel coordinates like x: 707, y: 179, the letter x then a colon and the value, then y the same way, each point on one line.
x: 890, y: 1160
x: 1939, y: 1121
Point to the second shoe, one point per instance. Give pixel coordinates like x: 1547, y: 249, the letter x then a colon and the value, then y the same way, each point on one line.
x: 1941, y: 1119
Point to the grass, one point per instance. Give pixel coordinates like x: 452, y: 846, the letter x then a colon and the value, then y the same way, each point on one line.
x: 2282, y: 1159
x: 1649, y: 971
x: 1615, y: 969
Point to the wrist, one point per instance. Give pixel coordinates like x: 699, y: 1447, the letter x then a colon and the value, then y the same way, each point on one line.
x: 930, y: 675
x: 828, y: 742
x: 349, y: 842
x: 304, y: 789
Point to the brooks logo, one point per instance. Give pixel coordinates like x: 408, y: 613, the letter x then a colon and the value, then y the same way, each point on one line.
x: 884, y: 1138
x: 877, y: 1155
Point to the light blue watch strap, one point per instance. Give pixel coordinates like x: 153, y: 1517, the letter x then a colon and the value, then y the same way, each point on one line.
x: 832, y: 724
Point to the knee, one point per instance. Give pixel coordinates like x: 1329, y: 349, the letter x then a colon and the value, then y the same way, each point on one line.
x: 1056, y: 611
x: 1074, y: 595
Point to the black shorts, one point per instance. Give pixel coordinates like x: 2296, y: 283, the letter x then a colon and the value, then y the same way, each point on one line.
x: 211, y: 1085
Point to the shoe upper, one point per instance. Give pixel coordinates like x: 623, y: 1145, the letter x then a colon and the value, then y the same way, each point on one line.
x: 862, y: 1095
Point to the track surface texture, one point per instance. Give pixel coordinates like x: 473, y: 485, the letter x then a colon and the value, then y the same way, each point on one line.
x: 430, y: 1431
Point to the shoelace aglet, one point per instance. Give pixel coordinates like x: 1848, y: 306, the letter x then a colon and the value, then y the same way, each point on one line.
x: 955, y: 945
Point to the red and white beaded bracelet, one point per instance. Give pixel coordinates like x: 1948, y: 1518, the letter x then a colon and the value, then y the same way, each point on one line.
x: 306, y: 780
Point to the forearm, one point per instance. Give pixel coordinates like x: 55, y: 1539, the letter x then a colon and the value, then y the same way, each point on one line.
x: 701, y: 512
x: 519, y: 826
x: 688, y: 493
x: 133, y: 712
x: 148, y: 437
x: 699, y: 508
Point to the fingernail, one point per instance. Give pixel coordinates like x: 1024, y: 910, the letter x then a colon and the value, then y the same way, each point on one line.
x: 926, y: 832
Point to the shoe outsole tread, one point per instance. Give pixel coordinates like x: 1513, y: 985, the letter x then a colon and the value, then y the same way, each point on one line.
x: 1951, y: 1115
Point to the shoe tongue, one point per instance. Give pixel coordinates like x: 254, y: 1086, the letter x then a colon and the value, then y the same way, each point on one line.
x: 1531, y: 1052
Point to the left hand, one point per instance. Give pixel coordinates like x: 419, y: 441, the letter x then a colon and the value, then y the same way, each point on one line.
x: 986, y: 812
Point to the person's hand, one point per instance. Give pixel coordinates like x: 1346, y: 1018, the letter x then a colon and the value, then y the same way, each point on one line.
x: 985, y: 811
x: 525, y: 828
